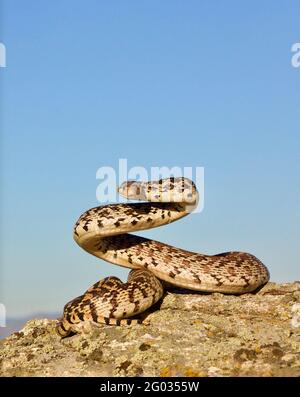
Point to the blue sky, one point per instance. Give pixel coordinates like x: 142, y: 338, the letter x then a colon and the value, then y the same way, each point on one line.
x: 161, y: 83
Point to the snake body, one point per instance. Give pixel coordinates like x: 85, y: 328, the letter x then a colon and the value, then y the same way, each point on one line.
x: 103, y: 232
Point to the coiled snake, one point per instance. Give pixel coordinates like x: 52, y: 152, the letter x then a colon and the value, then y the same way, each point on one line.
x: 103, y: 232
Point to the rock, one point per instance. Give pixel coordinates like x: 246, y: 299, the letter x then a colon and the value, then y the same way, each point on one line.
x: 189, y: 334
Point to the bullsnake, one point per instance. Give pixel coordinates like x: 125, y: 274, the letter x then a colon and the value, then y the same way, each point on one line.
x: 103, y: 232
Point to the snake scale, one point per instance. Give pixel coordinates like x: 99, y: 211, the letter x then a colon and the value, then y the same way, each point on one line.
x: 103, y: 232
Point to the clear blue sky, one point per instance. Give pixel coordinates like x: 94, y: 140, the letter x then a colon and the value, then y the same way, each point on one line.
x: 161, y: 83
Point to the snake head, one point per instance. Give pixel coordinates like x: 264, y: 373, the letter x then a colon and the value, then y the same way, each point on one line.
x: 177, y: 190
x: 132, y: 190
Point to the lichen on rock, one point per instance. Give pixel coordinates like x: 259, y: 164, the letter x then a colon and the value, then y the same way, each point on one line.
x: 191, y: 334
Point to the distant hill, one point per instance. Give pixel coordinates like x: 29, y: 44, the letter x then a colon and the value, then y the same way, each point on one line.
x: 15, y: 324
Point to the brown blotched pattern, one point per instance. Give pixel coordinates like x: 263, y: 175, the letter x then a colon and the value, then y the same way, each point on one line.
x: 103, y: 232
x: 112, y: 302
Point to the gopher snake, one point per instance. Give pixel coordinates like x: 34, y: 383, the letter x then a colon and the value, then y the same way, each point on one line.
x: 102, y: 231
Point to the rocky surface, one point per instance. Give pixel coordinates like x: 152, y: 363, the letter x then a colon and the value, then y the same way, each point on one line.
x: 188, y: 335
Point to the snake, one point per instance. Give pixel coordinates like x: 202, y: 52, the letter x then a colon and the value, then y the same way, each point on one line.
x: 105, y: 232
